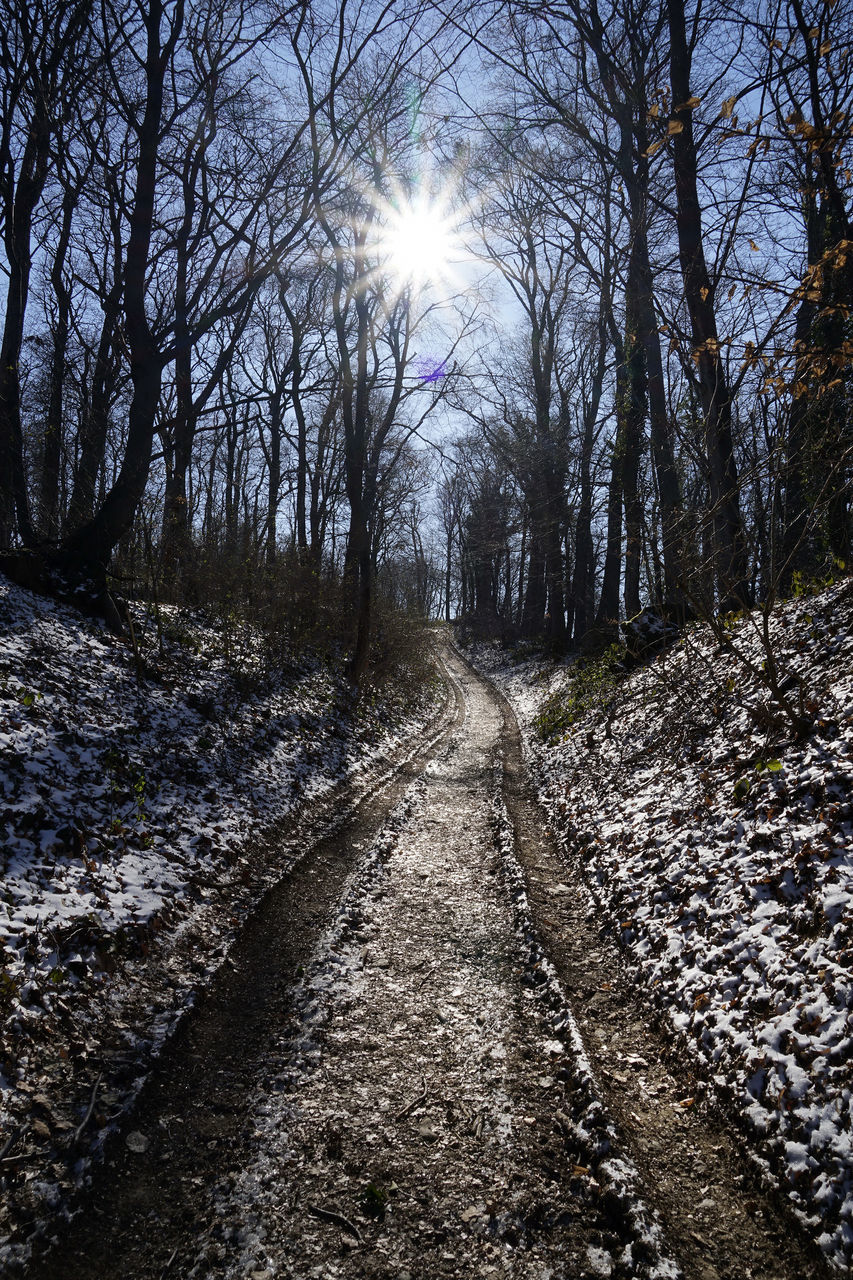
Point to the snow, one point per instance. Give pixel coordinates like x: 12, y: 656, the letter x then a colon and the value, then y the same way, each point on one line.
x: 138, y: 791
x: 719, y: 846
x: 442, y: 1068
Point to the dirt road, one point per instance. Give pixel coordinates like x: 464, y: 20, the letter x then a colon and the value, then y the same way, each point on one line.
x: 388, y: 1079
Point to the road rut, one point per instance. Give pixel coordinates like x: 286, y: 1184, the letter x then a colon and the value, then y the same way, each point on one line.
x: 395, y: 1086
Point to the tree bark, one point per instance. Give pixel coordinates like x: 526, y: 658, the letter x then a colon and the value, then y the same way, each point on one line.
x: 48, y: 500
x: 607, y: 617
x: 87, y: 551
x: 14, y: 501
x: 729, y: 541
x: 631, y: 409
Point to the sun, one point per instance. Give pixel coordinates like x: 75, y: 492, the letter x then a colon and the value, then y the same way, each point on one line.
x: 419, y: 245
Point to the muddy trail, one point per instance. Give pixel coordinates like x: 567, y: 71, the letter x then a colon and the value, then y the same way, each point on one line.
x: 424, y: 1058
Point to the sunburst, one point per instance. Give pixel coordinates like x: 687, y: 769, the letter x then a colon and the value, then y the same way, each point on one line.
x: 418, y: 244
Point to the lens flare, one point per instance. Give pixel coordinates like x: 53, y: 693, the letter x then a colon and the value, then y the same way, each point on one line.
x: 419, y: 245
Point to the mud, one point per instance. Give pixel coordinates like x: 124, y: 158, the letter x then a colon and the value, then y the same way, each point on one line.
x: 371, y: 1087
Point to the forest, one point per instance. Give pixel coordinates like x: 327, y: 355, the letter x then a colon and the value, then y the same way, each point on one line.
x: 535, y: 314
x: 426, y: 639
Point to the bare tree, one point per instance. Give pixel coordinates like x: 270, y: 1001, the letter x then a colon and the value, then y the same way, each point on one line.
x: 44, y: 60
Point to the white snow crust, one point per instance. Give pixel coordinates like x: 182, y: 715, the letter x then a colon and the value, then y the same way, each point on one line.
x: 719, y: 845
x: 133, y: 791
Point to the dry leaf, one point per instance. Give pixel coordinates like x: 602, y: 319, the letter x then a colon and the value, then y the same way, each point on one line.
x: 137, y: 1142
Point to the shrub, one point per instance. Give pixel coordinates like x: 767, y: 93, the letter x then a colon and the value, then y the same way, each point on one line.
x: 592, y: 683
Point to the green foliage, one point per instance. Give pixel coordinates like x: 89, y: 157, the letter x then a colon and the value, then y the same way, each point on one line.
x: 591, y: 684
x: 127, y: 784
x: 523, y: 652
x: 373, y: 1201
x: 743, y: 786
x: 24, y: 697
x: 804, y: 584
x: 177, y: 631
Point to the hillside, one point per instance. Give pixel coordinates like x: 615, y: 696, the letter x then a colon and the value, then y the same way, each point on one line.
x: 716, y: 842
x: 144, y: 797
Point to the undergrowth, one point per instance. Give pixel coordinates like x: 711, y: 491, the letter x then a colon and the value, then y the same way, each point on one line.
x: 592, y: 683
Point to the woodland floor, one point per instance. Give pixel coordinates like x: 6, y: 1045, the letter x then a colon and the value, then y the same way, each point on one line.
x: 423, y: 1057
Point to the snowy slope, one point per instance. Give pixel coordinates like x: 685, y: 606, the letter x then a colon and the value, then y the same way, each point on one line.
x: 719, y: 845
x: 135, y: 794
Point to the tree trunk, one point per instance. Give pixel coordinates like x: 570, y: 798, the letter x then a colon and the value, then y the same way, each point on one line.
x: 95, y: 423
x: 636, y: 177
x: 14, y: 503
x: 274, y: 477
x: 48, y: 503
x: 584, y: 576
x: 632, y: 410
x: 533, y: 614
x: 87, y: 551
x: 607, y: 617
x: 555, y: 571
x: 729, y: 541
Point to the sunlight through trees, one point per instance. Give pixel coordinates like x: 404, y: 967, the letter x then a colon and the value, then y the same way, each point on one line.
x: 536, y: 314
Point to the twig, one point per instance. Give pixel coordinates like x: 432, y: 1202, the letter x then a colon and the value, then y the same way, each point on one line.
x: 137, y: 656
x: 416, y: 1102
x: 11, y: 1140
x: 172, y: 1257
x: 329, y: 1215
x: 88, y: 1116
x: 429, y: 973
